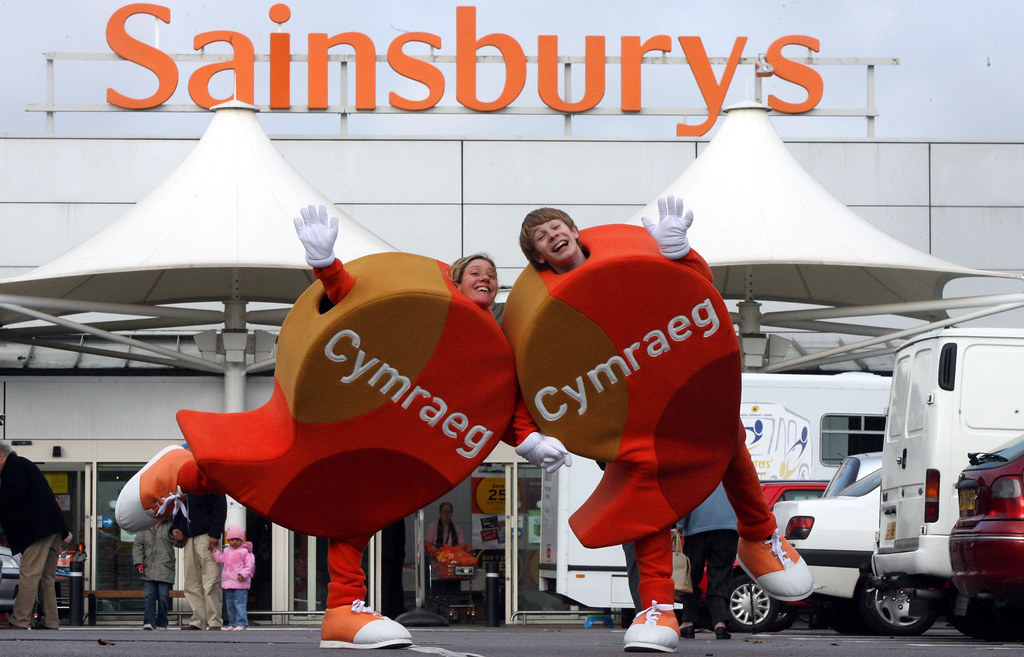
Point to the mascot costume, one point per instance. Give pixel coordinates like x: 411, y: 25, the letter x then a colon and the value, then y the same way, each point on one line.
x: 626, y: 352
x: 366, y: 423
x: 630, y: 356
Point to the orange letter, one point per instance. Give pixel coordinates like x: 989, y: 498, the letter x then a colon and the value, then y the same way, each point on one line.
x: 798, y: 74
x: 416, y: 69
x: 466, y: 46
x: 280, y: 60
x: 144, y: 55
x: 632, y: 53
x: 713, y: 92
x: 199, y: 83
x: 366, y: 68
x: 547, y: 48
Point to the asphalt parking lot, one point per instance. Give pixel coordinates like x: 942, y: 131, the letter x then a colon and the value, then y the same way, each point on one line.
x: 477, y: 641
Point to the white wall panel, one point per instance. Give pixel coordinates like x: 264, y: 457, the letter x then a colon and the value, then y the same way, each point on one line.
x: 429, y: 230
x: 872, y: 173
x: 83, y: 170
x: 71, y: 408
x: 35, y: 233
x: 985, y: 238
x: 977, y: 174
x: 559, y: 173
x: 389, y: 171
x: 907, y: 224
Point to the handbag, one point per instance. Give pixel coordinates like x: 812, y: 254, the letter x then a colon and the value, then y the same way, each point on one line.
x: 680, y: 565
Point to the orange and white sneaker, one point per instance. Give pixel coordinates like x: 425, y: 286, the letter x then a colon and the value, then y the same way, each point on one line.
x: 358, y: 626
x: 776, y: 567
x: 152, y: 493
x: 654, y: 629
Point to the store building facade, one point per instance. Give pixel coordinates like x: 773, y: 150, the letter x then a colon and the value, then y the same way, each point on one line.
x: 91, y: 421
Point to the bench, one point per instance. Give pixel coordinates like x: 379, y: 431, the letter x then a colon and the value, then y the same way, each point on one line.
x: 119, y: 594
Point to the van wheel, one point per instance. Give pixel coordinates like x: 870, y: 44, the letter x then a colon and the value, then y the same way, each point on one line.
x: 887, y: 612
x: 751, y: 609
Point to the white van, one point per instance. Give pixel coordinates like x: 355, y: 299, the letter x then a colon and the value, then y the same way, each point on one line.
x: 953, y: 391
x: 799, y: 426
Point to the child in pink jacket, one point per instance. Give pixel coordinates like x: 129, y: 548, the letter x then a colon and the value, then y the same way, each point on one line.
x: 238, y: 566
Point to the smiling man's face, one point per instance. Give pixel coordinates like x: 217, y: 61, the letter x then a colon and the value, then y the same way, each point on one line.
x: 557, y: 246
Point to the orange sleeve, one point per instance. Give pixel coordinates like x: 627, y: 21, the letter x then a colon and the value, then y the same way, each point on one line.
x: 522, y: 424
x: 336, y: 280
x: 696, y: 262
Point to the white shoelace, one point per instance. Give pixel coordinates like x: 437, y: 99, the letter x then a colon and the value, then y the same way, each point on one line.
x: 654, y: 612
x: 774, y: 544
x: 360, y: 607
x: 176, y: 502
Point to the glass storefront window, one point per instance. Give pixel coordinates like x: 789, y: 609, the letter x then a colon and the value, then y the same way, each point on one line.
x: 112, y: 552
x: 310, y: 578
x: 530, y: 597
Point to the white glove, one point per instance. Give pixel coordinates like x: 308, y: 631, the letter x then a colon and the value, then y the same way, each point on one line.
x: 670, y: 231
x: 317, y: 233
x: 544, y: 452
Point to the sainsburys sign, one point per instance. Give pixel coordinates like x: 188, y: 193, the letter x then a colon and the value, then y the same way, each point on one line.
x: 803, y: 84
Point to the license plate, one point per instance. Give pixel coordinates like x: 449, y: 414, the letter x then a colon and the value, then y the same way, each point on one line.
x: 968, y: 500
x: 890, y: 531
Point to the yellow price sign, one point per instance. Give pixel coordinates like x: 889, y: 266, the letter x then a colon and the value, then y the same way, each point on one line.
x: 58, y: 482
x: 490, y: 495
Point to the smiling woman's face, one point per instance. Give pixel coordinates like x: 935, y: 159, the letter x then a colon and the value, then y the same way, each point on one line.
x: 479, y: 282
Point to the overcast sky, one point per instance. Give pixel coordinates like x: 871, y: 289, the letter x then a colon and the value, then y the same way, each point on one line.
x: 959, y: 75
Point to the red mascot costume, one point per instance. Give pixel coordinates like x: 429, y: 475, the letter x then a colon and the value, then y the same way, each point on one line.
x: 626, y: 352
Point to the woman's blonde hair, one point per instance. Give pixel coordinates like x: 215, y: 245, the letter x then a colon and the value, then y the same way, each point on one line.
x: 458, y: 268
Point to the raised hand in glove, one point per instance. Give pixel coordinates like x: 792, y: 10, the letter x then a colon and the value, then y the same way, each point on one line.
x: 670, y: 231
x: 544, y: 452
x: 317, y: 232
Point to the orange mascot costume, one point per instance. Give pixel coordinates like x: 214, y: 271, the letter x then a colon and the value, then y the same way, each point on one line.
x: 366, y: 423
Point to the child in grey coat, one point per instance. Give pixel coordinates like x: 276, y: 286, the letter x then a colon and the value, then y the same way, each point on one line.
x: 153, y: 554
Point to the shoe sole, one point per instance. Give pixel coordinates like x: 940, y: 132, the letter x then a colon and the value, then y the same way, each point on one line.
x: 390, y: 643
x: 640, y: 646
x: 784, y: 598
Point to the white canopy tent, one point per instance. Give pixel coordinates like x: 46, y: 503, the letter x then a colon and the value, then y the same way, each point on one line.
x: 218, y: 229
x: 771, y: 233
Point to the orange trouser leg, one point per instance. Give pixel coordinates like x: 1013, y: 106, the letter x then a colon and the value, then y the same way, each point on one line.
x: 345, y: 564
x: 743, y: 488
x: 654, y: 562
x: 192, y: 480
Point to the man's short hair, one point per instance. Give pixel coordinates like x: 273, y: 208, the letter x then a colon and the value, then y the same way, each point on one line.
x: 530, y: 222
x: 5, y: 449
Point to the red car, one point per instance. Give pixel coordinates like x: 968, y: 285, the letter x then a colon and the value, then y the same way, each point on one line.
x: 986, y: 546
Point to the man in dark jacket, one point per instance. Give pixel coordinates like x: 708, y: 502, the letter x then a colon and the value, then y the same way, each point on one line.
x: 199, y: 534
x: 35, y: 527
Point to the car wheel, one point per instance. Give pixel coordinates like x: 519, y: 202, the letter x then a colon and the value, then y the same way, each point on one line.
x: 844, y: 617
x: 785, y: 618
x: 751, y: 609
x: 980, y: 622
x: 887, y: 612
x: 1011, y: 619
